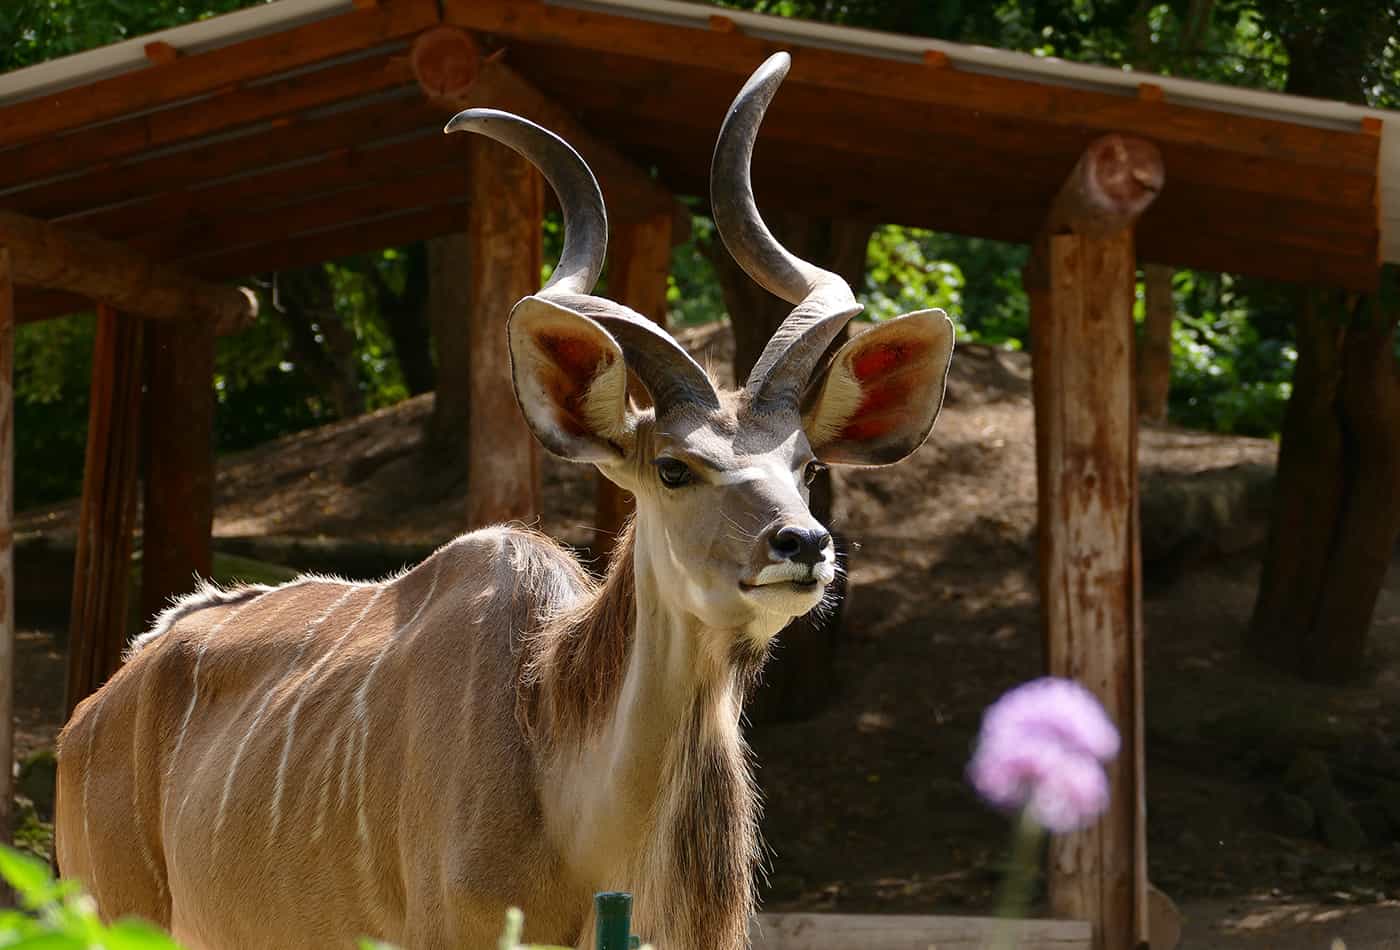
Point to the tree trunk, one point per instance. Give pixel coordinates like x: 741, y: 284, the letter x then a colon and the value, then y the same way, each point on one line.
x: 449, y: 303
x: 1337, y: 495
x: 1154, y: 355
x: 1335, y: 500
x: 800, y: 679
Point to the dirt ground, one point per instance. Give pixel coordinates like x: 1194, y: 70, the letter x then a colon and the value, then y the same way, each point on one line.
x: 866, y: 807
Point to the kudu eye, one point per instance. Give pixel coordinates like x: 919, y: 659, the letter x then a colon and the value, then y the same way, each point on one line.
x: 811, y: 471
x: 673, y: 472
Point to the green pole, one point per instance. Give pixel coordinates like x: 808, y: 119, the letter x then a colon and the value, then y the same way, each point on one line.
x: 614, y: 911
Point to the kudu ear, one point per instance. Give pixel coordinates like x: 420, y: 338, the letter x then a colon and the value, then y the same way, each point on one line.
x: 876, y: 401
x: 570, y: 381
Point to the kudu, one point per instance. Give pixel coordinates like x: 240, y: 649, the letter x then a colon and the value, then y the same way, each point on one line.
x: 537, y: 736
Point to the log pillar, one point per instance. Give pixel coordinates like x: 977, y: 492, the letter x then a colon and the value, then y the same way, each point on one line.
x: 638, y: 268
x: 503, y: 228
x: 1081, y: 283
x: 7, y: 548
x: 102, y: 562
x: 178, y: 456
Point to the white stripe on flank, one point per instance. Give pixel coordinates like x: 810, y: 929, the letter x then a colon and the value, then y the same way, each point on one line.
x: 87, y: 773
x: 303, y: 690
x: 138, y: 773
x: 194, y: 699
x: 258, y: 715
x: 361, y: 704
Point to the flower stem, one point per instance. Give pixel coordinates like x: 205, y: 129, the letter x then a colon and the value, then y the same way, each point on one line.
x: 1014, y: 895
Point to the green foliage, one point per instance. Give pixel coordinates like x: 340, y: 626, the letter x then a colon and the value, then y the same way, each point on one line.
x: 53, y: 362
x: 1227, y: 375
x: 32, y: 31
x: 57, y: 916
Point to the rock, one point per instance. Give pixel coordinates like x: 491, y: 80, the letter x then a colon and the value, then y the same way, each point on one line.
x: 38, y: 778
x: 1308, y: 769
x: 1342, y: 832
x: 1388, y: 794
x: 1290, y: 814
x: 1210, y: 513
x: 1371, y: 815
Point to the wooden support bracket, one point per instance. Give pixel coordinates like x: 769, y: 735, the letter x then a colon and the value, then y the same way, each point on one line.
x: 160, y: 52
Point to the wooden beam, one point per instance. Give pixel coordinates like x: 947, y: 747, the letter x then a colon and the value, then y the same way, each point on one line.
x: 639, y: 263
x: 237, y: 156
x: 238, y: 107
x: 102, y: 563
x: 914, y: 932
x: 1154, y: 355
x: 203, y: 73
x: 201, y: 237
x: 630, y: 192
x: 7, y: 546
x: 1081, y: 281
x: 50, y: 257
x: 503, y: 228
x: 178, y: 477
x: 357, y: 237
x: 734, y: 55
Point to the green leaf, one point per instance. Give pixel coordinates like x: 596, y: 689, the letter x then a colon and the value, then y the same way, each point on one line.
x: 132, y: 934
x: 27, y: 875
x: 49, y: 941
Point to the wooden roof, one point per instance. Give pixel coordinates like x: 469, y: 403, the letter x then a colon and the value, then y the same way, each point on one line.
x: 308, y: 137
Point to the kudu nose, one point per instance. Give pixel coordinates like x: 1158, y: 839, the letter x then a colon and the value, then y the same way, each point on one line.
x: 803, y: 545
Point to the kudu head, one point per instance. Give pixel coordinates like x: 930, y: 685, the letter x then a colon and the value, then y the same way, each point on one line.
x: 720, y: 478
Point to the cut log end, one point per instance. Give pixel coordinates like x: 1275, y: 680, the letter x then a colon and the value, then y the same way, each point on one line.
x: 445, y: 62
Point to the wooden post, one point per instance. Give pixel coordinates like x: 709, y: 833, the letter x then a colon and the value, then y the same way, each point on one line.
x: 503, y: 226
x: 102, y: 562
x: 1154, y: 362
x: 7, y: 548
x: 178, y: 454
x: 639, y: 265
x: 1081, y: 282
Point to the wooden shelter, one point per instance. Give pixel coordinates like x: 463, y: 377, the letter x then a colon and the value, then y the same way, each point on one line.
x: 145, y: 175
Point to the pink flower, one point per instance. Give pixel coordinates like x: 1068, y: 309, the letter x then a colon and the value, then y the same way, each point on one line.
x: 1041, y: 748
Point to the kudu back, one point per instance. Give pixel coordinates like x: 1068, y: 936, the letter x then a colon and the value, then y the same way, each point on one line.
x: 301, y: 765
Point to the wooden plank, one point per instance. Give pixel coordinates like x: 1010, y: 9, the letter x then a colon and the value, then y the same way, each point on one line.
x: 913, y: 932
x: 736, y: 54
x: 47, y: 256
x: 629, y: 191
x: 227, y: 158
x: 178, y: 476
x: 204, y: 73
x: 639, y: 265
x: 503, y: 228
x: 358, y: 237
x: 102, y: 562
x: 199, y: 237
x: 156, y: 216
x: 1087, y: 492
x: 7, y: 547
x: 613, y: 92
x: 225, y: 112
